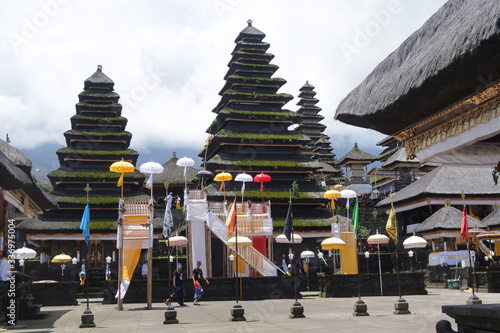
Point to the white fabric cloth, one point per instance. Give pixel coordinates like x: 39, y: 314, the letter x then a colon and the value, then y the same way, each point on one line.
x: 336, y: 230
x: 449, y: 257
x: 168, y: 220
x: 123, y: 289
x: 144, y: 269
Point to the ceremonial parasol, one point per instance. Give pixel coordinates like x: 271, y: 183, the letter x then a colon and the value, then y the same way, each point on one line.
x: 62, y: 258
x: 121, y: 167
x: 332, y: 194
x: 185, y: 162
x: 338, y: 187
x: 488, y: 235
x: 262, y: 178
x: 178, y: 241
x: 332, y: 244
x: 378, y: 239
x: 307, y: 254
x: 24, y: 253
x: 283, y: 240
x: 151, y: 168
x: 475, y: 231
x: 414, y: 242
x: 204, y: 173
x: 242, y: 241
x: 347, y: 194
x: 222, y: 177
x: 243, y: 177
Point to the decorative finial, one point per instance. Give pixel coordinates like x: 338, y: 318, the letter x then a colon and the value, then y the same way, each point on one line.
x: 99, y: 67
x: 249, y: 23
x: 174, y: 154
x: 447, y: 203
x: 355, y: 145
x: 307, y: 81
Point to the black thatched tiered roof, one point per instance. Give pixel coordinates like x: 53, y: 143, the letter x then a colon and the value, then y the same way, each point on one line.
x: 455, y: 53
x: 15, y: 174
x: 97, y: 139
x: 447, y: 218
x: 250, y: 132
x: 356, y: 155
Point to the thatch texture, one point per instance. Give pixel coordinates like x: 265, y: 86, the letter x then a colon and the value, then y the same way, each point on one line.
x: 399, y: 159
x: 356, y: 154
x: 449, y: 181
x: 447, y: 218
x: 174, y: 174
x: 439, y: 64
x: 492, y: 220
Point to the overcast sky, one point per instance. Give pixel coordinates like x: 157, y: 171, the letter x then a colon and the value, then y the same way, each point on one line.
x: 168, y: 60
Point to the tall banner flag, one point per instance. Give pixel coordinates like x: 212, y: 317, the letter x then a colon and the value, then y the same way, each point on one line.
x: 168, y: 221
x: 85, y: 224
x: 231, y: 220
x: 464, y: 231
x: 355, y: 216
x: 287, y: 230
x: 149, y: 183
x: 391, y: 226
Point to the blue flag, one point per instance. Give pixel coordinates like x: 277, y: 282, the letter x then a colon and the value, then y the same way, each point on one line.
x: 85, y: 225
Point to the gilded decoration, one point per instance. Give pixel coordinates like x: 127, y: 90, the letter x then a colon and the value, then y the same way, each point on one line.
x: 486, y: 106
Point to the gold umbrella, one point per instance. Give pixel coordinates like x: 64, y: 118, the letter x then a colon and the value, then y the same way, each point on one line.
x: 222, y: 177
x: 61, y: 258
x: 332, y: 194
x: 338, y: 187
x: 332, y: 243
x: 488, y: 235
x: 121, y: 167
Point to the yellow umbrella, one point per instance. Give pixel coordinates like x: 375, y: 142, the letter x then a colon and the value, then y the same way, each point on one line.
x: 222, y: 177
x: 121, y: 167
x: 332, y: 194
x: 61, y: 258
x: 338, y: 187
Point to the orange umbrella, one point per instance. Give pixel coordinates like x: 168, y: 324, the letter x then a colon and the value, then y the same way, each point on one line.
x: 121, y: 167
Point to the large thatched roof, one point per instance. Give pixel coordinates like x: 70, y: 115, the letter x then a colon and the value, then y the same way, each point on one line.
x: 356, y: 155
x: 449, y: 181
x: 398, y: 159
x: 447, y: 218
x: 492, y: 220
x: 447, y: 59
x: 13, y: 178
x: 174, y: 174
x: 16, y: 156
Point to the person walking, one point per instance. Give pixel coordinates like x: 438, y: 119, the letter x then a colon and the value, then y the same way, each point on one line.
x: 197, y: 277
x: 178, y: 202
x: 179, y: 292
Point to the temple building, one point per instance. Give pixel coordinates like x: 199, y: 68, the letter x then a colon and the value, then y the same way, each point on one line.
x: 356, y: 160
x: 97, y: 139
x: 250, y: 135
x: 319, y: 147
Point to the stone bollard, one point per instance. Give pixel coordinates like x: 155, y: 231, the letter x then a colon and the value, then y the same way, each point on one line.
x: 170, y: 316
x: 237, y: 313
x: 360, y: 308
x: 401, y: 307
x: 87, y: 319
x: 297, y: 311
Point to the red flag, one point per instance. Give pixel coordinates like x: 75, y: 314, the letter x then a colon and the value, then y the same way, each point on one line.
x: 231, y: 220
x: 464, y: 232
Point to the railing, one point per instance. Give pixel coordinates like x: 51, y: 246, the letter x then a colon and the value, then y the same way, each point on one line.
x: 140, y: 207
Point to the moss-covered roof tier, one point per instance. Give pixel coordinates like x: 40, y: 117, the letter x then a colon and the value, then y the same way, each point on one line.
x: 96, y: 140
x: 251, y: 132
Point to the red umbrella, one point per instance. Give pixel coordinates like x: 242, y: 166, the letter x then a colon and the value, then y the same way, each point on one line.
x: 262, y: 178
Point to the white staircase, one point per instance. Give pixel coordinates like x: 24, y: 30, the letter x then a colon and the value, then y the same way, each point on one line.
x: 198, y: 210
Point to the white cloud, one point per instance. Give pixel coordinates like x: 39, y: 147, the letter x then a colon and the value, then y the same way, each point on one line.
x: 168, y: 60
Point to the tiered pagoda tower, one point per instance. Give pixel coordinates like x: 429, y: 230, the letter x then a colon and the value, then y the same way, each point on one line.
x: 319, y: 147
x: 97, y: 139
x: 250, y: 133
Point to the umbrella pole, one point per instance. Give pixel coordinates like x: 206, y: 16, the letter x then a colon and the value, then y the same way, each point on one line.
x: 416, y: 267
x: 88, y: 277
x: 380, y: 271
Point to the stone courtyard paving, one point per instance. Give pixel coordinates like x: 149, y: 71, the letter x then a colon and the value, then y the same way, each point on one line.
x: 322, y: 315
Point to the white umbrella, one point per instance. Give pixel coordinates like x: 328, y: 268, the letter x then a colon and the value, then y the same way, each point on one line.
x: 243, y: 177
x: 151, y: 168
x: 24, y: 253
x: 348, y: 194
x: 414, y: 242
x: 185, y: 162
x: 379, y: 239
x: 307, y: 254
x: 283, y: 240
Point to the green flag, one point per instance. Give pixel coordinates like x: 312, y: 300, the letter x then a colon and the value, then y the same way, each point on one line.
x: 355, y: 216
